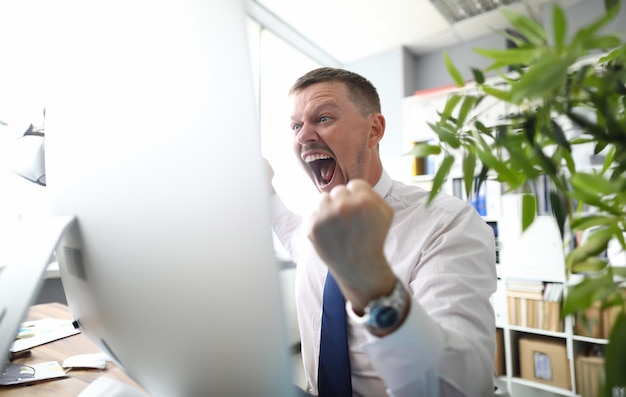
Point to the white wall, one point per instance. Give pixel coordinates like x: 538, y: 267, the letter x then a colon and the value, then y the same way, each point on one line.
x: 22, y: 98
x: 387, y: 72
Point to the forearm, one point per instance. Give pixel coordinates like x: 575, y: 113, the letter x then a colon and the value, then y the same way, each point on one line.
x: 423, y: 358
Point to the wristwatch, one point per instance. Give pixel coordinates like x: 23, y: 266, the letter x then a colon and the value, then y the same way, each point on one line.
x: 383, y: 313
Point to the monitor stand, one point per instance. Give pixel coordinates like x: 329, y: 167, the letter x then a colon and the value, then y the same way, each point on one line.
x: 22, y: 275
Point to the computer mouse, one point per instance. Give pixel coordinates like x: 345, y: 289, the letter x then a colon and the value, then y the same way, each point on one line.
x: 96, y: 361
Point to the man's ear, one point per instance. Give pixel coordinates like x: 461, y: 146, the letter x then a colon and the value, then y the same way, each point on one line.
x: 377, y: 129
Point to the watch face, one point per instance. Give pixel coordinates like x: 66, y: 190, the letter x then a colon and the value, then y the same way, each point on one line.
x: 384, y: 316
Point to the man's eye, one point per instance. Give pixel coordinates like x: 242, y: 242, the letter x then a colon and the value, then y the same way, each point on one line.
x: 296, y: 127
x: 324, y: 119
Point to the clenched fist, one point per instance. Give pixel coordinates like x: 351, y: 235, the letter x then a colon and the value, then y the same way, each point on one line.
x: 348, y: 231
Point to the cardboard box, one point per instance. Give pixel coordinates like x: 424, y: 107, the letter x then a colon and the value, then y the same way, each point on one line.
x: 608, y: 320
x: 593, y: 326
x: 609, y: 316
x: 499, y: 359
x: 544, y: 360
x: 589, y: 370
x: 534, y: 313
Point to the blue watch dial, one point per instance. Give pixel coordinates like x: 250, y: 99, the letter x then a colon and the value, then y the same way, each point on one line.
x: 384, y: 316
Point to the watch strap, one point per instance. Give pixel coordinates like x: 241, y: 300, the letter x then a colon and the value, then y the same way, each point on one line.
x: 385, y: 306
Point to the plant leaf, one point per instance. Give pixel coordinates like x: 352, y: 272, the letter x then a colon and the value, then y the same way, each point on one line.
x: 521, y: 56
x: 596, y: 243
x: 612, y: 55
x: 589, y: 126
x: 512, y: 178
x: 479, y: 77
x: 569, y: 161
x: 481, y: 128
x: 592, y: 264
x: 530, y: 29
x: 615, y: 359
x: 559, y: 208
x: 423, y: 150
x: 513, y: 36
x: 619, y: 271
x: 608, y: 4
x: 441, y: 176
x: 559, y: 136
x: 594, y: 200
x: 541, y: 78
x: 519, y: 161
x: 466, y: 107
x: 529, y: 209
x: 608, y: 160
x: 560, y: 26
x: 452, y: 70
x: 594, y: 184
x: 449, y: 107
x: 469, y: 169
x: 481, y: 178
x: 602, y: 42
x: 580, y: 41
x: 547, y: 164
x: 582, y: 295
x: 503, y: 95
x: 587, y: 221
x: 446, y: 134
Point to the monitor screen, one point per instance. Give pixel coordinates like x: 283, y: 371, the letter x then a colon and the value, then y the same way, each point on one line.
x: 152, y: 145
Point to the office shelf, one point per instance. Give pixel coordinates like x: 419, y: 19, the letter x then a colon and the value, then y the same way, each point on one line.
x: 555, y: 390
x: 536, y: 331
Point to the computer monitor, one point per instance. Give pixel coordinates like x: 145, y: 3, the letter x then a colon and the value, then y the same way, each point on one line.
x: 152, y: 145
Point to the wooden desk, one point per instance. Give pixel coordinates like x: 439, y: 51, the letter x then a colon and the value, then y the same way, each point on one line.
x: 59, y: 350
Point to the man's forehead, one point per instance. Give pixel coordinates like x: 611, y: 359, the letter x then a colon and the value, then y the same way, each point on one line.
x: 322, y: 87
x: 318, y: 95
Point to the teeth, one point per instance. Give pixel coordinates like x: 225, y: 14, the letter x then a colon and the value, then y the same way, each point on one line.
x: 314, y: 157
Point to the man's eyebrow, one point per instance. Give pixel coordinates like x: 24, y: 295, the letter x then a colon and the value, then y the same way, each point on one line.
x: 314, y: 109
x: 322, y: 105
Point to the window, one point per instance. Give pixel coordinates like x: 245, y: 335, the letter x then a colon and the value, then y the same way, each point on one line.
x: 278, y: 65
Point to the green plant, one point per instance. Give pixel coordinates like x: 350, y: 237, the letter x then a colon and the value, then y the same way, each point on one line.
x: 580, y: 81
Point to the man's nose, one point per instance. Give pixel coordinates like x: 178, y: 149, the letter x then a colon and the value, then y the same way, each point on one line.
x: 306, y: 134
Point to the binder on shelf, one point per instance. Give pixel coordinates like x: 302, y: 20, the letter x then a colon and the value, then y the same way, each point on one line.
x: 499, y: 365
x: 487, y: 201
x: 478, y: 200
x: 418, y: 166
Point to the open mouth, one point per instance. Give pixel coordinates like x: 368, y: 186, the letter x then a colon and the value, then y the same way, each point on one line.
x: 323, y: 167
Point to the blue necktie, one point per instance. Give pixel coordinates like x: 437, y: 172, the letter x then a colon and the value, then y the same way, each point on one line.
x: 334, y: 379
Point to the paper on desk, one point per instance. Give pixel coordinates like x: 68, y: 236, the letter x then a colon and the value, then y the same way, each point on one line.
x: 16, y: 374
x: 39, y: 332
x: 107, y: 387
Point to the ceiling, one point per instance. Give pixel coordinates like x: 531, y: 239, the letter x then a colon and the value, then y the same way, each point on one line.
x: 349, y: 30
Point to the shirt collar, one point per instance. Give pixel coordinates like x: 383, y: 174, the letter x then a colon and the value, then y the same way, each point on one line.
x: 383, y: 186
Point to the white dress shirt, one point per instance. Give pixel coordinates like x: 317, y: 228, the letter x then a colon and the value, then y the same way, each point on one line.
x: 445, y: 256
